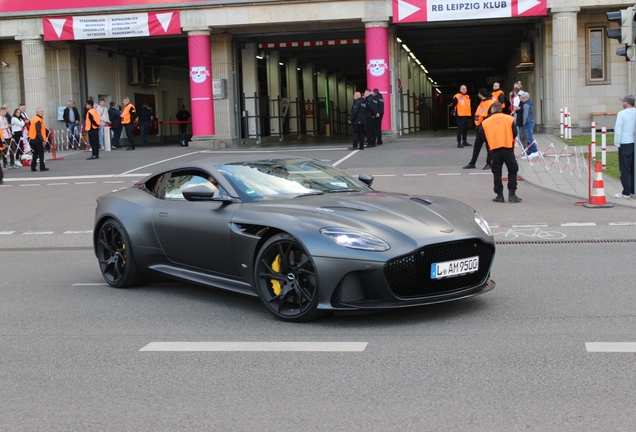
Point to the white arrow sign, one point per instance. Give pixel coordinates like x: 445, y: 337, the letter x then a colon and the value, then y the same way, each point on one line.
x: 526, y: 5
x: 405, y: 9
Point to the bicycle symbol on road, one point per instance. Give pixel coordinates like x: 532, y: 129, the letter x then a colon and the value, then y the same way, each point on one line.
x: 515, y: 233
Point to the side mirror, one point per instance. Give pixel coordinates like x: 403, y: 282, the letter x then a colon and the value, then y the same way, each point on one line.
x: 366, y: 179
x: 198, y: 193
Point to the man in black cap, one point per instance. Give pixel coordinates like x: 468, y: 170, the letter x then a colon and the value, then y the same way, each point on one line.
x: 370, y: 115
x: 357, y: 120
x: 377, y: 121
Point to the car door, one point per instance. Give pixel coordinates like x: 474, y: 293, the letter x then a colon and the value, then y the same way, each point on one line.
x: 194, y: 233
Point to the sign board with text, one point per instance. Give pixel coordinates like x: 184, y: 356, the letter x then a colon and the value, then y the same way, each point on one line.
x: 111, y: 26
x: 412, y: 11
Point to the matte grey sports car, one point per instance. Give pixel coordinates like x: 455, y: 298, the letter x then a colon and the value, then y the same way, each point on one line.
x: 299, y: 234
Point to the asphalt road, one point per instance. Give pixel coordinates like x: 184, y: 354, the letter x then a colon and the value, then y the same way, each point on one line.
x: 512, y: 359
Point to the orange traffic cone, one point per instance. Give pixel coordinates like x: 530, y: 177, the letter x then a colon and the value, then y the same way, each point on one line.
x: 597, y: 193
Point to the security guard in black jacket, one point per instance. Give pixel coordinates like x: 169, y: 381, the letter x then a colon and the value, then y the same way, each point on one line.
x: 371, y: 113
x: 377, y: 121
x: 357, y: 120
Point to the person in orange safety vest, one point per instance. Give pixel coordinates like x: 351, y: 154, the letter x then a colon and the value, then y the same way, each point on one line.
x: 92, y: 125
x: 462, y: 112
x: 500, y: 132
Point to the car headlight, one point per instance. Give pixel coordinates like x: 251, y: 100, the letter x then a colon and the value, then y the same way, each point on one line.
x: 355, y: 239
x: 482, y: 224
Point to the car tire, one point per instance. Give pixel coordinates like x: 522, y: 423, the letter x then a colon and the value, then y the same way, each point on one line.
x: 285, y: 279
x: 116, y: 260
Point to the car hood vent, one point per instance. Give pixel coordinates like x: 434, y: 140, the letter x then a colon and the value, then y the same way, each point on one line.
x: 422, y: 201
x: 342, y: 207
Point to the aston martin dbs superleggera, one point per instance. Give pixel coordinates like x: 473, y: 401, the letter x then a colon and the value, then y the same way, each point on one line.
x: 299, y: 234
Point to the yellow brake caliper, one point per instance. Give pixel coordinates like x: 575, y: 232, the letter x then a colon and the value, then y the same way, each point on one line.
x: 276, y: 287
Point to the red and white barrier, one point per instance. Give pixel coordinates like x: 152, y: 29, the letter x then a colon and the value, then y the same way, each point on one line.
x: 604, y: 147
x: 593, y: 151
x: 561, y: 122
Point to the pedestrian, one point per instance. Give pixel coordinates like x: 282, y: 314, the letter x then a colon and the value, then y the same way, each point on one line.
x: 483, y: 111
x: 183, y: 115
x: 497, y: 94
x: 128, y: 116
x: 500, y: 132
x: 377, y: 121
x: 114, y: 116
x: 104, y: 121
x: 145, y: 118
x: 624, y: 131
x: 527, y: 112
x: 370, y: 113
x: 92, y: 123
x: 72, y: 119
x: 17, y: 126
x: 5, y: 139
x: 514, y: 98
x: 357, y: 119
x: 38, y: 138
x: 462, y: 112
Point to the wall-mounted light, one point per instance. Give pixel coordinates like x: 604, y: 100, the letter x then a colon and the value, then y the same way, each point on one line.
x: 5, y: 64
x: 399, y: 40
x: 260, y: 55
x: 281, y: 63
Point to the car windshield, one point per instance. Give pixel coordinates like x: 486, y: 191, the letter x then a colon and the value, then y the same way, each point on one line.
x: 286, y: 178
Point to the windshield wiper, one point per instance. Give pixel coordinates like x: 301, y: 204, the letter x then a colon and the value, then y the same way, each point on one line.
x: 310, y: 193
x: 343, y: 190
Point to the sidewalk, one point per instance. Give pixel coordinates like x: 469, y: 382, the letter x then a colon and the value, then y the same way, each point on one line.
x: 573, y: 180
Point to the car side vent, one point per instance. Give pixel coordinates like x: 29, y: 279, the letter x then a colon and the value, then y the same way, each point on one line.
x: 255, y: 230
x: 422, y: 201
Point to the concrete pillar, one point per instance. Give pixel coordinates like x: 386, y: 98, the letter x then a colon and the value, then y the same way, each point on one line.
x: 250, y: 87
x: 274, y: 91
x: 309, y: 92
x: 65, y: 77
x: 321, y: 95
x: 224, y: 108
x: 293, y: 94
x: 404, y: 79
x: 564, y: 61
x: 35, y: 89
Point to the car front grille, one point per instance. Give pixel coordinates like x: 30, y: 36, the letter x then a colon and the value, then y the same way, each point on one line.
x: 410, y: 275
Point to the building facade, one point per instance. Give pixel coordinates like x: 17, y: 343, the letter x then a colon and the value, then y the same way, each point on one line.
x: 267, y: 70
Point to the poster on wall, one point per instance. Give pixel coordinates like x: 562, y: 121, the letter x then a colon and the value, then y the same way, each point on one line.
x: 111, y: 26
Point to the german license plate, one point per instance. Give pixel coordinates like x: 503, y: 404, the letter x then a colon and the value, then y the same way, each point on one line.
x: 454, y: 268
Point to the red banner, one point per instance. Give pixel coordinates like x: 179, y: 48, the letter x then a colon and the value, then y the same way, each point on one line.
x: 111, y: 26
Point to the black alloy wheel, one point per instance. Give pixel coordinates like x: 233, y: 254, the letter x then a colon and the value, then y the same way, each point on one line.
x: 286, y: 279
x: 115, y: 256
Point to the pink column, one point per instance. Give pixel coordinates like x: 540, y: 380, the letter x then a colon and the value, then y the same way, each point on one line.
x: 202, y: 105
x: 378, y: 75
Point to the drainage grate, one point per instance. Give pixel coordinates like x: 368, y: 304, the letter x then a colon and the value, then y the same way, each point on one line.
x: 527, y: 242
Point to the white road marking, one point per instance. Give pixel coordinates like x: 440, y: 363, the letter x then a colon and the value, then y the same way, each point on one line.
x: 345, y: 158
x: 257, y: 346
x: 109, y: 182
x: 449, y: 174
x: 127, y: 173
x: 622, y: 223
x: 383, y: 175
x: 480, y: 173
x: 6, y: 232
x: 90, y: 284
x: 31, y: 184
x: 611, y: 347
x: 79, y: 232
x: 538, y: 225
x: 414, y: 175
x: 37, y: 233
x: 578, y: 224
x: 84, y: 182
x: 56, y: 184
x: 79, y: 177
